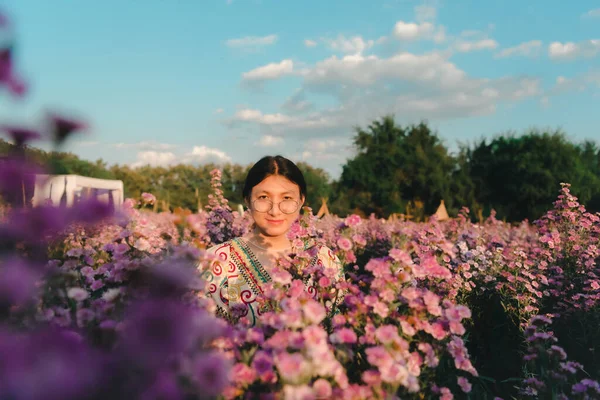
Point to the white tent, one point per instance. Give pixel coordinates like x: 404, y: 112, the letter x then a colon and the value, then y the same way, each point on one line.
x: 70, y: 189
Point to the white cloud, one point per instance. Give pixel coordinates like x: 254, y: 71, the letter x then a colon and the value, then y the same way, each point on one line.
x: 526, y: 49
x: 86, y: 143
x: 269, y: 71
x: 252, y: 41
x: 483, y: 44
x: 369, y: 70
x: 198, y: 155
x: 407, y: 85
x: 572, y: 51
x: 592, y: 14
x: 310, y: 43
x: 219, y: 111
x: 205, y: 155
x: 250, y: 115
x: 154, y: 158
x: 578, y: 83
x: 413, y: 31
x: 270, y: 141
x: 147, y: 145
x: 359, y: 88
x: 297, y: 103
x: 351, y: 45
x: 425, y: 13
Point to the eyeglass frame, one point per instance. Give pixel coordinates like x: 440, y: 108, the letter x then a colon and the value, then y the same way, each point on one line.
x: 298, y: 206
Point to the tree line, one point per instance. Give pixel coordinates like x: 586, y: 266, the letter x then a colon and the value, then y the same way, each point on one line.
x: 395, y: 169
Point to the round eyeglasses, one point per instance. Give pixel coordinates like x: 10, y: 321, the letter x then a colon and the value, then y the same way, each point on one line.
x: 265, y: 205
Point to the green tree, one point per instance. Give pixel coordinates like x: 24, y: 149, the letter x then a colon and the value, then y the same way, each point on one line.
x: 318, y: 185
x: 394, y: 165
x: 520, y: 177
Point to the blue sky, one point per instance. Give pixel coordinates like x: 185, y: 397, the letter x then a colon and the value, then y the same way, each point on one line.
x: 163, y: 82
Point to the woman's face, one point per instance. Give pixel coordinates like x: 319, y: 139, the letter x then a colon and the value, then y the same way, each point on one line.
x: 276, y: 189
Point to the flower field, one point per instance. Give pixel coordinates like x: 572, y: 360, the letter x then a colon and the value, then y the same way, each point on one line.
x: 102, y: 305
x: 95, y: 305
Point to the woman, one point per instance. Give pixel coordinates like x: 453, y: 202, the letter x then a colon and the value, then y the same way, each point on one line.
x: 274, y: 193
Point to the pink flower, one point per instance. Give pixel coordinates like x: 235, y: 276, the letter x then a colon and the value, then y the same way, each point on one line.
x: 324, y: 282
x: 457, y: 328
x: 446, y: 394
x: 429, y: 267
x: 344, y: 244
x: 281, y: 276
x: 148, y: 198
x: 343, y: 335
x: 410, y: 294
x: 464, y: 384
x: 387, y: 334
x: 359, y: 240
x: 353, y: 220
x: 432, y: 301
x: 314, y: 312
x: 381, y: 309
x: 431, y: 359
x: 297, y: 288
x: 394, y: 373
x: 322, y: 389
x: 436, y: 330
x: 302, y: 392
x: 242, y: 374
x: 407, y: 328
x: 314, y: 335
x: 400, y: 256
x: 291, y: 367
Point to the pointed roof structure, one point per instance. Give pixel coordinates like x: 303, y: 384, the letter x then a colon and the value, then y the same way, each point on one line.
x: 323, y: 210
x: 442, y: 213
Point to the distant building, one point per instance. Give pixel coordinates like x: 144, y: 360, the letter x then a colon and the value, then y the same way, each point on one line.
x: 67, y: 190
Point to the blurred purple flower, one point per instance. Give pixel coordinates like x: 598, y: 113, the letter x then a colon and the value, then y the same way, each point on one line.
x: 90, y: 211
x: 173, y: 276
x: 33, y: 224
x: 211, y: 372
x: 20, y: 135
x: 156, y: 331
x: 17, y: 282
x: 165, y: 386
x: 17, y: 176
x: 51, y: 364
x: 4, y: 21
x: 62, y: 127
x: 8, y: 77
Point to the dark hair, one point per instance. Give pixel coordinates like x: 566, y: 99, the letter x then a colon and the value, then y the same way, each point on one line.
x: 273, y: 165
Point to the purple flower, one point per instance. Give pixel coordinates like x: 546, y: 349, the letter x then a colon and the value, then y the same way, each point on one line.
x: 33, y: 224
x: 4, y: 21
x: 165, y: 386
x: 90, y: 211
x: 7, y: 76
x: 211, y: 372
x: 17, y: 179
x: 20, y: 135
x: 51, y: 364
x: 17, y: 282
x: 158, y: 330
x: 62, y: 127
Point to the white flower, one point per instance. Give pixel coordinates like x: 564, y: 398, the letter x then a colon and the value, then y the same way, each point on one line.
x: 77, y: 294
x: 111, y: 294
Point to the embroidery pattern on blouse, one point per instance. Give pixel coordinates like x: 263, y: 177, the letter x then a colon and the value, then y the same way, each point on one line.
x: 235, y: 290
